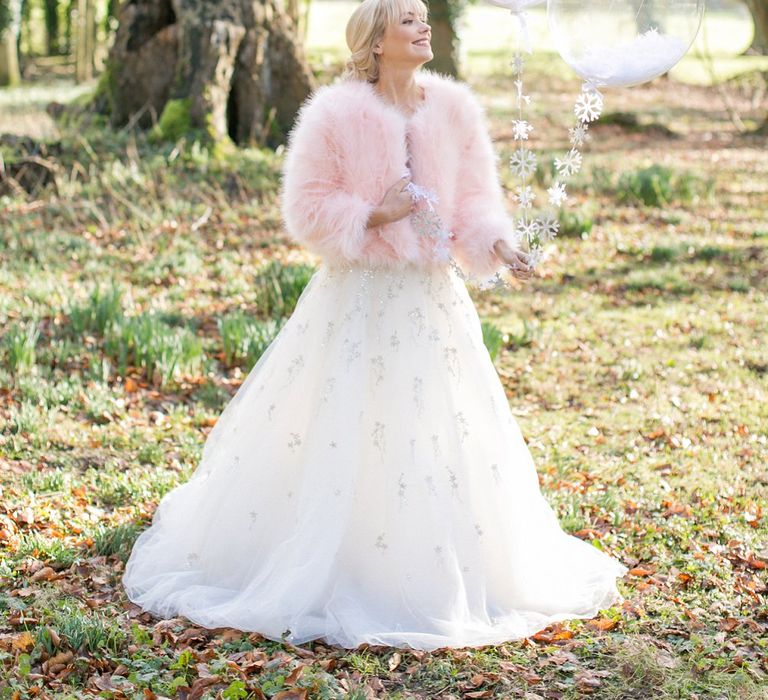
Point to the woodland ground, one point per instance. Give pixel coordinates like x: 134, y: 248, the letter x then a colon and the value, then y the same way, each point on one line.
x: 635, y: 363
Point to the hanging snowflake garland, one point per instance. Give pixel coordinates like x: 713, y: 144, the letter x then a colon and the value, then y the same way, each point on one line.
x: 548, y: 227
x: 528, y: 228
x: 536, y: 230
x: 589, y: 104
x: 427, y: 222
x: 525, y: 196
x: 568, y: 164
x: 531, y: 231
x: 557, y: 194
x: 521, y: 129
x: 634, y: 53
x: 579, y: 135
x: 523, y: 163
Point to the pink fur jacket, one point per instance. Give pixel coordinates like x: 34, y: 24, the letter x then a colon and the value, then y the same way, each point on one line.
x: 349, y: 145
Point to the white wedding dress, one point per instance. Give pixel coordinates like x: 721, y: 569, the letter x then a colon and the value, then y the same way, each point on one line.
x: 368, y: 483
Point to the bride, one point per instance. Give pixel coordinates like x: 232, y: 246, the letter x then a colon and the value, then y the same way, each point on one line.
x: 368, y: 482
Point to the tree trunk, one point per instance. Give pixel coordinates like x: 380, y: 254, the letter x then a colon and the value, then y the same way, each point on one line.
x: 68, y: 29
x: 234, y: 64
x: 51, y: 8
x: 84, y: 42
x: 9, y: 45
x: 759, y: 10
x: 442, y: 19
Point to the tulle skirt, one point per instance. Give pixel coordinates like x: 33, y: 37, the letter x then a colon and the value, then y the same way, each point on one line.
x: 368, y: 483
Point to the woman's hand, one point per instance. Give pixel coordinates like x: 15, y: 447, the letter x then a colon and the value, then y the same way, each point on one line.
x: 396, y: 204
x: 515, y: 260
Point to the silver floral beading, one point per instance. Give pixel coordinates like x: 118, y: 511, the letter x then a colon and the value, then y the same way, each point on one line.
x: 377, y: 434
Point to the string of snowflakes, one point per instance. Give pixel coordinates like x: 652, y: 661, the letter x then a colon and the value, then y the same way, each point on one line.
x: 427, y: 222
x: 537, y: 229
x: 544, y: 226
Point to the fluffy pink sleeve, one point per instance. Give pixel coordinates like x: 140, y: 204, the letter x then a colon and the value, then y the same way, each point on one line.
x: 480, y: 215
x: 318, y: 210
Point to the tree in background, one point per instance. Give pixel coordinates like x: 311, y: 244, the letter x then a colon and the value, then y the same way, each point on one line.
x: 10, y: 25
x: 51, y: 14
x: 759, y: 10
x: 234, y: 68
x: 443, y: 18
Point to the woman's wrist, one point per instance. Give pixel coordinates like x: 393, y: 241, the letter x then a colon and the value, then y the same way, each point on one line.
x: 500, y: 246
x: 377, y: 218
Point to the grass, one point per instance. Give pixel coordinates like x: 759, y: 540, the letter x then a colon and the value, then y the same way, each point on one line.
x: 102, y: 310
x: 20, y: 346
x: 492, y: 337
x: 634, y: 363
x: 245, y: 339
x: 658, y: 185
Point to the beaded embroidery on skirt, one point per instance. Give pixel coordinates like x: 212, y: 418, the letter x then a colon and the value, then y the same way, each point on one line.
x: 369, y: 483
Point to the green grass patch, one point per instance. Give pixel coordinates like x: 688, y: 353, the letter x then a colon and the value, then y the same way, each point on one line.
x: 20, y: 346
x: 493, y: 338
x: 245, y: 339
x: 278, y: 287
x: 658, y: 185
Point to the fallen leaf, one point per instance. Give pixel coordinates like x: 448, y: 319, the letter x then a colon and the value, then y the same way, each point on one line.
x: 44, y: 574
x: 292, y: 694
x: 602, y: 624
x: 477, y: 680
x: 23, y: 641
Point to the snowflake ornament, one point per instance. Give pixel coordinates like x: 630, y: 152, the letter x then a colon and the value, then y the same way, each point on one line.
x: 579, y: 135
x: 419, y: 193
x: 427, y: 221
x: 535, y: 256
x: 525, y: 196
x: 526, y: 229
x: 588, y: 106
x: 521, y: 129
x: 568, y: 164
x: 521, y: 97
x: 523, y: 163
x: 548, y: 227
x: 557, y: 194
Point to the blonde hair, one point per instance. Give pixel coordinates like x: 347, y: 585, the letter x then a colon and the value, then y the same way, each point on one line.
x: 366, y: 27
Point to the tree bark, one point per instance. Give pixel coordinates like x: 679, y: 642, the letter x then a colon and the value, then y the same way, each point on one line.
x: 51, y: 8
x: 9, y: 45
x: 759, y: 10
x: 233, y: 62
x: 442, y: 18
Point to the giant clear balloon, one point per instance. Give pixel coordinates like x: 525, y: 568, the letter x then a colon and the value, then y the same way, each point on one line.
x: 618, y: 43
x: 516, y: 6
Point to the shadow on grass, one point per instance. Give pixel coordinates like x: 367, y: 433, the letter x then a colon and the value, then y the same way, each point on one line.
x: 659, y: 274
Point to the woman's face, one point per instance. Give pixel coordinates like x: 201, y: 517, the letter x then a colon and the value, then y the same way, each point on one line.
x: 406, y: 42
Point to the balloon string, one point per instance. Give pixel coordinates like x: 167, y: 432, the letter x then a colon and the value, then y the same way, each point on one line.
x: 523, y: 33
x: 523, y: 37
